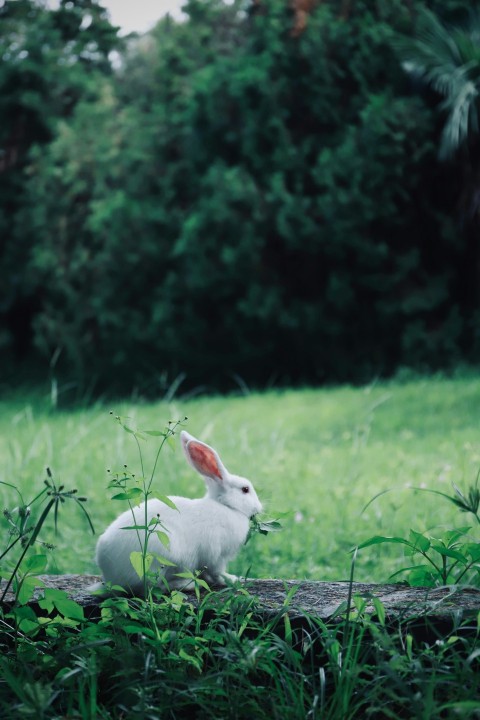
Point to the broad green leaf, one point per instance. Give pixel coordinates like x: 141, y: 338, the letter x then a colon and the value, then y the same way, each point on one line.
x: 154, y: 433
x: 22, y: 613
x: 270, y: 526
x: 27, y: 588
x: 451, y: 536
x: 262, y: 527
x: 44, y: 621
x: 69, y: 608
x: 59, y: 600
x: 448, y: 552
x: 163, y: 560
x: 136, y: 558
x: 192, y: 659
x: 163, y: 537
x: 421, y: 576
x: 130, y: 494
x: 168, y: 501
x: 419, y: 542
x: 472, y: 549
x: 46, y: 603
x: 26, y: 619
x: 139, y: 629
x: 35, y: 564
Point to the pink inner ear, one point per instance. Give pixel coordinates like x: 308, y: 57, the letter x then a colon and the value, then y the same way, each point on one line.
x: 204, y: 460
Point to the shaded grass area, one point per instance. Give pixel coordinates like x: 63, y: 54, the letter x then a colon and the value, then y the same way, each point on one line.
x: 318, y: 455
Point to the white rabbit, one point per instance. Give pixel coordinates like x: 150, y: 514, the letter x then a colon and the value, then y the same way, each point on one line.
x: 204, y: 533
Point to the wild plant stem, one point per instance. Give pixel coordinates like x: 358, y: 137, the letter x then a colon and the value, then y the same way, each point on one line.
x: 349, y: 598
x: 141, y: 456
x: 444, y: 570
x: 146, y: 491
x: 168, y: 433
x: 37, y: 497
x: 17, y: 539
x: 437, y: 568
x: 30, y: 542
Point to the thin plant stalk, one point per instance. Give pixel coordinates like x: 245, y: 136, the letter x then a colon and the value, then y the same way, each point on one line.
x: 29, y: 544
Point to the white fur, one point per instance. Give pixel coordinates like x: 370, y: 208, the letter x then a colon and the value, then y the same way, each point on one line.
x: 204, y: 533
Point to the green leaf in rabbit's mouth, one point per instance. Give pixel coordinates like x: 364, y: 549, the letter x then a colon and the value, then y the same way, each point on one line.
x: 262, y: 525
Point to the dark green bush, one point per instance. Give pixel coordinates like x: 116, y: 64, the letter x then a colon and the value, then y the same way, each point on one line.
x: 243, y: 201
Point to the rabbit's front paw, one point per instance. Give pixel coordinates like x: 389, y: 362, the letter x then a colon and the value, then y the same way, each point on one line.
x: 229, y: 578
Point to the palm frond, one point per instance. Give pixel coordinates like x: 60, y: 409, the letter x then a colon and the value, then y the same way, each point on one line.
x: 461, y: 120
x: 432, y: 50
x: 448, y: 60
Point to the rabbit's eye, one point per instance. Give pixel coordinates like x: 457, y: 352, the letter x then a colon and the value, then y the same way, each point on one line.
x: 245, y: 489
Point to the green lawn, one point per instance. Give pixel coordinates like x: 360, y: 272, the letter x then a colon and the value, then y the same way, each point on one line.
x: 320, y: 455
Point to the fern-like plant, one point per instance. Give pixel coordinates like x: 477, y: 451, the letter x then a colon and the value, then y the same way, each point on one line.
x: 447, y: 59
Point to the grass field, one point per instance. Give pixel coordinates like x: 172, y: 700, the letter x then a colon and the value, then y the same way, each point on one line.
x: 319, y: 455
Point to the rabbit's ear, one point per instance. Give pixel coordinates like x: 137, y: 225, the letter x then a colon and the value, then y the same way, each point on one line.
x: 185, y: 438
x: 203, y: 458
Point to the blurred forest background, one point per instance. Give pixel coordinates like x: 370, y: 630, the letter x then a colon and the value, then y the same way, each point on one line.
x: 266, y: 192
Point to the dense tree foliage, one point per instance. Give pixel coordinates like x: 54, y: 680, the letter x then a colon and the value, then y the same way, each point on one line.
x: 241, y: 198
x: 49, y: 60
x: 447, y: 58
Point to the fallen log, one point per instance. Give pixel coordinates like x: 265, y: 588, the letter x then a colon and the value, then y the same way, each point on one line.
x: 315, y: 599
